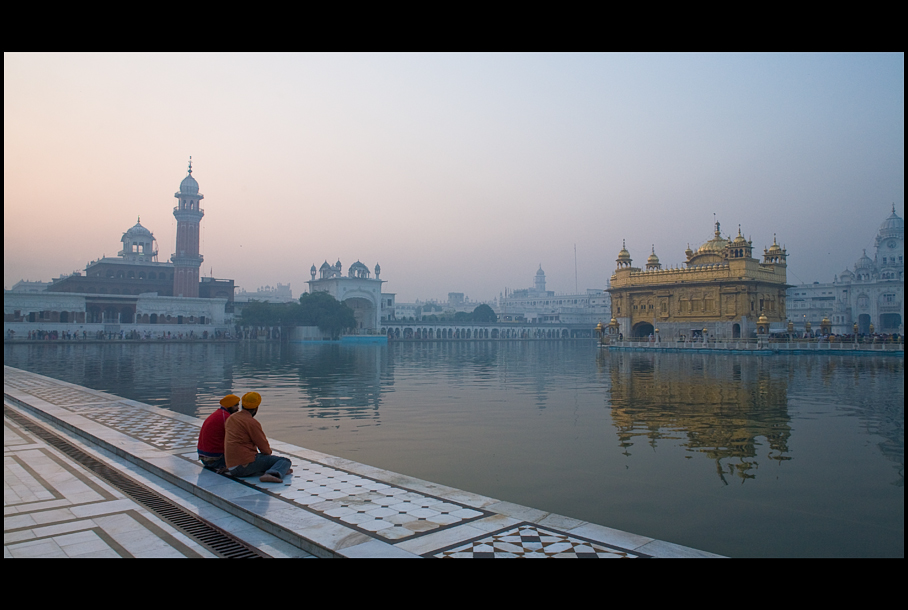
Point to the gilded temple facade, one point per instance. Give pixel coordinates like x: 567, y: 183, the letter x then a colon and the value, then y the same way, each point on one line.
x: 721, y: 289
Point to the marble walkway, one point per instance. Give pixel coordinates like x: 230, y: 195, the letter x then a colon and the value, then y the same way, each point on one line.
x: 328, y: 507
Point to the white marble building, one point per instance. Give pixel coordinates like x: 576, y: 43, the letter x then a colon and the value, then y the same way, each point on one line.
x: 358, y: 290
x: 74, y: 312
x: 872, y: 292
x: 538, y: 305
x: 273, y: 294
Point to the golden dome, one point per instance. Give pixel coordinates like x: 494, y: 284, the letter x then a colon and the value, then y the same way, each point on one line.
x: 763, y: 319
x: 716, y: 244
x: 774, y: 247
x: 653, y: 259
x: 739, y: 240
x: 624, y: 254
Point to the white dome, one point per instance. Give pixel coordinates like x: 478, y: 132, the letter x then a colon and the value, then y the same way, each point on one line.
x: 189, y: 186
x: 138, y: 231
x: 893, y: 222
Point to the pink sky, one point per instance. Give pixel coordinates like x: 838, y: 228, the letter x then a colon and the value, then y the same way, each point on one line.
x: 457, y: 173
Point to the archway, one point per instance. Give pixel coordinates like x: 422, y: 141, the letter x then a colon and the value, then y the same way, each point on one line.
x: 642, y: 330
x: 736, y: 331
x: 864, y: 324
x: 890, y: 322
x: 363, y: 312
x: 111, y: 315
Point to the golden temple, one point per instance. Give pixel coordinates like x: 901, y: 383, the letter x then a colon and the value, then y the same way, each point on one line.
x: 722, y: 292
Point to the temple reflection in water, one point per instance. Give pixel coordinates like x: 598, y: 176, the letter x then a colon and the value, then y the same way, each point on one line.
x: 628, y: 439
x: 712, y: 404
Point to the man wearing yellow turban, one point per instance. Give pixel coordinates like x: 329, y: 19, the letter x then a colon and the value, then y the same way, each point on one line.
x: 243, y: 436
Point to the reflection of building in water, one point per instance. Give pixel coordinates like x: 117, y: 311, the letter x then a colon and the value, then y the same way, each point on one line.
x: 721, y: 288
x: 873, y: 293
x: 719, y: 406
x: 342, y: 382
x: 185, y: 378
x: 865, y: 389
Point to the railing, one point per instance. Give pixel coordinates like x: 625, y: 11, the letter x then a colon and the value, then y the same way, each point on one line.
x: 763, y: 344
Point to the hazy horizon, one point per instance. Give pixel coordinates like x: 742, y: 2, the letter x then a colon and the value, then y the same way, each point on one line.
x: 455, y: 172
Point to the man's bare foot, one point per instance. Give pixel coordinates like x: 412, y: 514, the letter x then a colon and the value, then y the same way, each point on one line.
x: 290, y: 471
x: 270, y: 478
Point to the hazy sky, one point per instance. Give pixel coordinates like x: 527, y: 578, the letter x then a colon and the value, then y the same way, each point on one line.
x: 457, y: 173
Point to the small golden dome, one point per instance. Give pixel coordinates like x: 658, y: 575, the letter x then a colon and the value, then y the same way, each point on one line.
x: 763, y: 319
x: 653, y: 259
x: 624, y: 254
x: 774, y: 247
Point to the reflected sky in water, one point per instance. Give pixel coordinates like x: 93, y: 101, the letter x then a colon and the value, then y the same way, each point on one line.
x: 739, y: 455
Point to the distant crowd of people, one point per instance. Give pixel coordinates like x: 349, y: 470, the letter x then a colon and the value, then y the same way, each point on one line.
x: 122, y: 335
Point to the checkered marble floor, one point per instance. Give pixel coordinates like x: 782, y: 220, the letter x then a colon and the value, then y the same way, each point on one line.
x: 51, y: 391
x: 156, y: 430
x: 159, y: 431
x: 528, y: 540
x: 378, y: 509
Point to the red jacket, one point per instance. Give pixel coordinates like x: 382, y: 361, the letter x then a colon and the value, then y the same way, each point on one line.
x: 211, y: 437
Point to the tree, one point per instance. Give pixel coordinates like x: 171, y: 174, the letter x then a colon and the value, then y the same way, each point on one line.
x: 484, y: 313
x: 323, y: 310
x: 258, y: 313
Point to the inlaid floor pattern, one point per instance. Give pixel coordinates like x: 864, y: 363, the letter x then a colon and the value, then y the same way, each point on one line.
x: 382, y: 510
x: 528, y: 540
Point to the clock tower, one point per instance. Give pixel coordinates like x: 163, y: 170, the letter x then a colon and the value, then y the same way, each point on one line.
x: 890, y: 248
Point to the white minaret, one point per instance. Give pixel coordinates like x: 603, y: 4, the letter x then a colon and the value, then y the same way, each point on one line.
x: 540, y: 280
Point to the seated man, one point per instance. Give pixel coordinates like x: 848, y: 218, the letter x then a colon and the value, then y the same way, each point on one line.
x: 243, y: 436
x: 211, y: 437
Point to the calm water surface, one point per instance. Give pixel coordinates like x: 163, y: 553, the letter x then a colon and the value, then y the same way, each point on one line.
x: 739, y: 455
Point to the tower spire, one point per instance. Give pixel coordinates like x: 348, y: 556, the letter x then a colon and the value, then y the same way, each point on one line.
x: 190, y: 164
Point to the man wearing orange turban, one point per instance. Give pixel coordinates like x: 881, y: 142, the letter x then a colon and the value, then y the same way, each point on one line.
x: 211, y: 437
